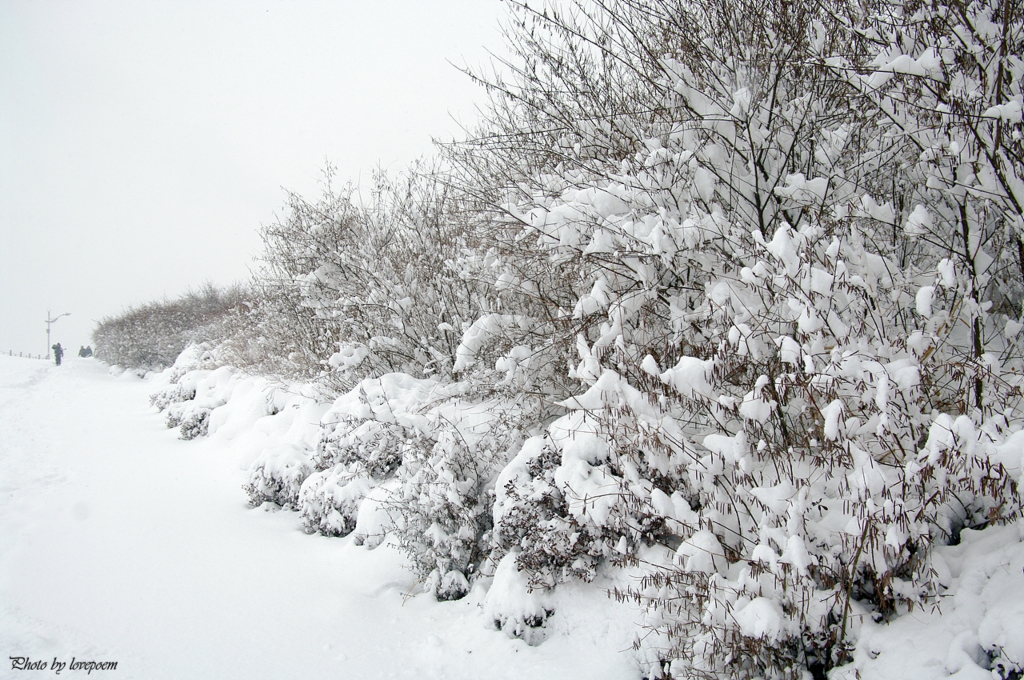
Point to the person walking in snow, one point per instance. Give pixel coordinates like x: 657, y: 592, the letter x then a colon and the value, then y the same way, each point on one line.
x: 58, y: 352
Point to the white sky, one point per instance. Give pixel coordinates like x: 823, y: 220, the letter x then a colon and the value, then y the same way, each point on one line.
x: 142, y: 144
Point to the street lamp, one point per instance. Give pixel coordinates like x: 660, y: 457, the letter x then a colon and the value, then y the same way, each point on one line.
x: 49, y: 322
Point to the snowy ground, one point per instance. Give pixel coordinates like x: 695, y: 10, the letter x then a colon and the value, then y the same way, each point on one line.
x: 122, y: 543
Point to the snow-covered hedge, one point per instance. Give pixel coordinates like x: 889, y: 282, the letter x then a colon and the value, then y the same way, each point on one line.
x: 186, y: 381
x: 151, y: 336
x: 287, y: 450
x: 794, y: 301
x: 723, y: 296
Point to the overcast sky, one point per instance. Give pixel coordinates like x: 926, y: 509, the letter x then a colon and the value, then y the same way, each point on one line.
x: 142, y: 144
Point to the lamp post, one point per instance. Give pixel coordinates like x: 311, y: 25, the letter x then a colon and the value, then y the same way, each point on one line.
x: 49, y: 322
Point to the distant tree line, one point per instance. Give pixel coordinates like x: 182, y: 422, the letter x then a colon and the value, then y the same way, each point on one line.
x: 150, y: 336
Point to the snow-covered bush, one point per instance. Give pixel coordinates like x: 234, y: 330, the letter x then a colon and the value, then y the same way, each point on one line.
x: 352, y: 458
x: 287, y: 452
x: 354, y: 288
x: 363, y: 439
x: 514, y: 606
x: 178, y: 397
x: 442, y: 508
x: 329, y: 500
x: 191, y: 418
x: 374, y: 521
x: 277, y: 475
x: 786, y: 264
x: 206, y: 390
x: 272, y: 334
x: 572, y: 498
x: 171, y: 394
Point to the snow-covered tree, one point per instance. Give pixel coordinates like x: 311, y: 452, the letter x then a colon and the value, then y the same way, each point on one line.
x: 369, y: 280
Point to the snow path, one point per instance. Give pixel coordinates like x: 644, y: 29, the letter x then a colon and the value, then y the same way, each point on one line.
x: 119, y: 542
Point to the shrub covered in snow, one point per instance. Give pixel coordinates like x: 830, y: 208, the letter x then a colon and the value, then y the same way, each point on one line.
x: 287, y: 453
x: 329, y: 500
x: 208, y: 389
x: 359, y: 288
x: 794, y: 300
x: 442, y: 509
x: 363, y: 440
x: 570, y: 500
x: 432, y: 455
x: 178, y: 397
x: 277, y: 475
x: 171, y: 394
x: 514, y: 606
x: 192, y: 419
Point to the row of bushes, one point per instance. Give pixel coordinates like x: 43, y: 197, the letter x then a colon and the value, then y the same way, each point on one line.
x: 727, y: 293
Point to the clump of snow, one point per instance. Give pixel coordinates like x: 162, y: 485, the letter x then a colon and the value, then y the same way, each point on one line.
x: 923, y: 300
x: 832, y: 414
x: 919, y: 222
x: 802, y: 191
x: 691, y: 377
x: 479, y: 333
x: 514, y: 606
x: 947, y: 272
x: 702, y: 552
x: 348, y: 357
x: 761, y: 617
x: 1012, y: 112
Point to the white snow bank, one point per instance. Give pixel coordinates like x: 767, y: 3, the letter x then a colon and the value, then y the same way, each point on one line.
x: 976, y: 630
x: 514, y: 606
